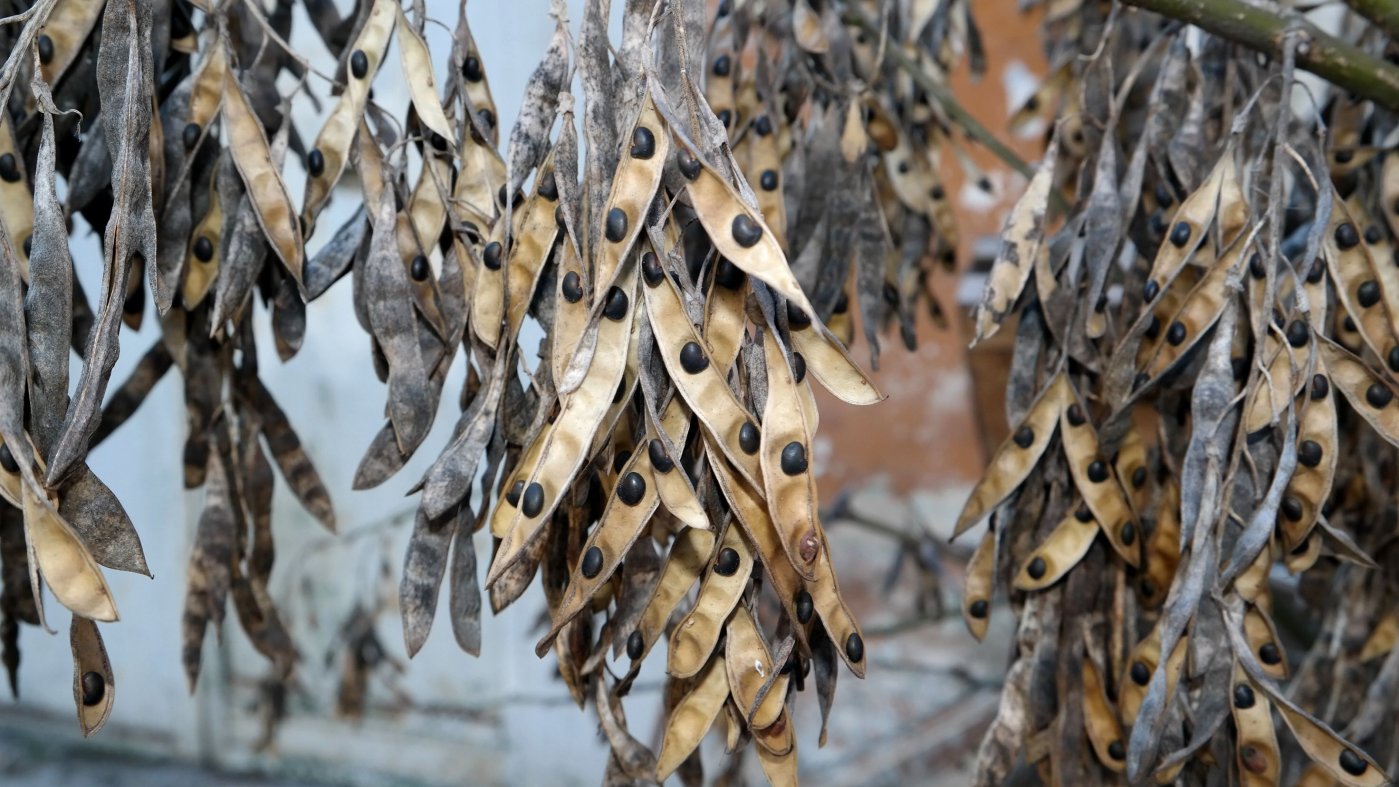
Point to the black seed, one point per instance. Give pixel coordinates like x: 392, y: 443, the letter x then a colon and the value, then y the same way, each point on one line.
x: 420, y: 269
x: 439, y: 142
x: 1368, y: 293
x: 1116, y: 751
x: 805, y: 606
x: 1349, y: 324
x: 984, y: 183
x: 1320, y: 386
x: 471, y: 69
x: 7, y: 460
x: 9, y: 171
x: 1139, y: 477
x: 315, y: 160
x: 631, y: 488
x: 487, y: 118
x: 621, y: 391
x: 762, y: 125
x: 689, y: 165
x: 841, y: 307
x: 1084, y: 514
x: 1292, y: 508
x: 616, y: 228
x: 1318, y: 270
x: 660, y: 460
x: 651, y: 269
x: 513, y: 496
x: 1392, y: 358
x: 621, y: 458
x: 1309, y: 453
x: 1298, y: 333
x: 1129, y: 533
x: 1075, y: 414
x: 45, y: 45
x: 1240, y: 369
x: 1180, y: 234
x: 692, y: 358
x: 548, y: 187
x: 28, y: 245
x: 1097, y: 471
x: 726, y: 564
x: 725, y: 117
x: 359, y: 63
x: 643, y: 143
x: 1353, y: 763
x: 1343, y: 156
x: 728, y: 275
x: 796, y: 318
x: 722, y: 66
x: 1036, y: 568
x: 491, y: 255
x: 1176, y: 333
x: 1024, y: 436
x: 1148, y: 588
x: 768, y: 180
x: 592, y: 562
x: 798, y: 367
x: 748, y: 438
x: 1346, y: 236
x: 572, y: 287
x: 617, y: 303
x: 794, y: 458
x: 1158, y: 224
x: 94, y: 688
x: 978, y: 608
x: 1140, y: 673
x: 746, y: 231
x: 1255, y: 266
x: 1163, y: 196
x: 533, y: 500
x: 1243, y: 696
x: 635, y: 645
x: 1269, y: 653
x: 903, y: 166
x: 855, y: 648
x: 1373, y: 234
x: 190, y: 136
x: 1150, y: 291
x: 723, y: 9
x: 203, y: 249
x: 1378, y: 396
x: 1153, y: 328
x: 937, y: 192
x: 1032, y: 104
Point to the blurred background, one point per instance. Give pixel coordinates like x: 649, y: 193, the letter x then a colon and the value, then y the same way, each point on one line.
x: 893, y: 479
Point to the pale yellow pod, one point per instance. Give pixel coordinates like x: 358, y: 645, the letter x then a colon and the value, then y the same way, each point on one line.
x: 63, y: 561
x: 1367, y: 296
x: 531, y: 249
x: 1098, y: 483
x: 476, y: 198
x: 1163, y: 548
x: 1021, y: 238
x: 1347, y: 764
x: 1316, y: 776
x: 835, y: 614
x: 724, y: 321
x: 1061, y: 550
x: 673, y: 485
x: 1046, y: 96
x: 422, y: 87
x: 1263, y: 640
x: 638, y: 176
x: 426, y: 297
x: 1382, y: 639
x: 1287, y: 367
x: 777, y: 752
x: 570, y: 309
x: 750, y: 665
x: 1304, y: 556
x: 764, y: 171
x: 1318, y: 449
x: 1369, y: 394
x: 1131, y: 466
x: 692, y: 717
x: 719, y: 86
x: 1252, y: 583
x: 1256, y: 743
x: 978, y: 586
x: 427, y: 206
x: 696, y: 635
x: 1142, y: 662
x: 68, y: 26
x: 688, y: 556
x: 94, y: 684
x: 785, y: 450
x: 1189, y: 224
x: 206, y: 96
x: 1164, y: 308
x: 16, y: 200
x: 488, y: 301
x: 832, y: 366
x: 1199, y: 312
x: 1100, y: 721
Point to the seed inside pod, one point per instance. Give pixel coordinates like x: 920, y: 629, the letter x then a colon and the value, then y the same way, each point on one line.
x: 689, y: 165
x: 1309, y: 453
x: 94, y: 688
x: 1139, y: 477
x: 617, y: 303
x: 1036, y: 568
x: 978, y: 608
x: 1129, y: 533
x: 1292, y: 508
x: 620, y: 459
x: 1150, y: 291
x: 651, y: 269
x: 1391, y: 358
x: 45, y: 45
x: 439, y: 142
x: 1084, y: 514
x: 1140, y: 673
x: 660, y: 460
x: 805, y: 606
x: 28, y: 245
x: 727, y: 562
x: 796, y: 318
x: 190, y: 137
x: 533, y: 500
x: 692, y: 358
x: 471, y: 69
x: 1097, y: 471
x: 1269, y: 654
x: 513, y: 496
x: 1320, y: 386
x: 7, y: 460
x: 1153, y: 328
x: 748, y: 438
x: 359, y: 63
x: 635, y: 645
x: 1298, y: 333
x: 722, y: 66
x: 937, y: 193
x: 1180, y: 234
x: 1318, y: 270
x: 419, y: 269
x: 619, y: 393
x: 549, y: 187
x: 1176, y: 333
x: 793, y: 458
x: 631, y: 488
x: 728, y: 275
x: 1253, y: 759
x: 1378, y: 395
x: 762, y: 125
x: 1368, y: 293
x: 1116, y: 751
x: 1024, y: 436
x: 1147, y: 587
x: 491, y: 255
x: 768, y: 180
x: 572, y: 287
x: 203, y: 249
x: 1352, y: 763
x: 746, y: 231
x: 1346, y: 236
x: 854, y: 648
x: 1076, y: 417
x: 616, y: 227
x: 643, y: 143
x: 592, y: 562
x: 798, y: 368
x: 1255, y: 266
x: 725, y: 117
x: 1243, y: 696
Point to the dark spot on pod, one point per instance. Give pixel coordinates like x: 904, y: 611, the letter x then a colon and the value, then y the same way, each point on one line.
x: 796, y: 318
x: 1309, y: 453
x: 1158, y: 224
x: 616, y: 227
x: 984, y: 183
x: 7, y: 460
x: 203, y: 249
x: 794, y: 458
x: 94, y: 688
x: 689, y: 165
x: 1292, y: 508
x: 855, y: 648
x: 728, y: 275
x: 651, y: 269
x: 487, y: 118
x: 1243, y: 696
x: 1150, y: 291
x: 617, y: 303
x: 1076, y: 416
x: 805, y: 606
x: 548, y: 187
x: 471, y: 69
x: 1116, y: 751
x: 315, y: 160
x: 726, y: 564
x: 631, y: 488
x: 1346, y: 236
x: 643, y: 143
x: 1269, y: 653
x: 1377, y: 395
x: 746, y: 231
x: 1298, y: 333
x: 1148, y: 588
x: 635, y: 645
x: 513, y: 496
x: 1084, y: 514
x: 619, y: 460
x: 1153, y: 328
x: 1036, y: 568
x: 1368, y: 293
x: 572, y: 287
x: 45, y: 45
x: 1139, y: 477
x: 592, y: 562
x: 903, y: 166
x: 1349, y: 324
x: 533, y: 500
x: 1392, y: 358
x: 1373, y: 234
x: 359, y: 63
x: 1255, y: 266
x: 1024, y: 436
x: 1140, y: 674
x: 1180, y: 234
x: 1176, y: 333
x: 1343, y: 156
x: 1129, y: 533
x: 660, y: 460
x: 491, y: 255
x: 842, y: 306
x: 1352, y: 763
x: 9, y: 170
x: 748, y: 437
x: 692, y: 358
x: 1097, y: 471
x: 762, y: 125
x: 1318, y: 270
x: 133, y: 302
x: 621, y: 391
x: 1240, y: 369
x: 1163, y: 196
x: 937, y: 192
x: 420, y: 269
x: 725, y: 117
x: 190, y: 136
x: 978, y: 608
x: 28, y: 245
x: 1032, y: 104
x: 768, y: 180
x: 722, y: 66
x: 798, y: 367
x: 1320, y: 386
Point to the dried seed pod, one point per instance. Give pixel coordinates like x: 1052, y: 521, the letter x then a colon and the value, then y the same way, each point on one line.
x: 694, y: 638
x: 94, y: 685
x: 1257, y: 747
x: 978, y: 587
x: 1098, y: 484
x: 1101, y: 722
x: 689, y: 721
x: 1021, y: 244
x: 1060, y: 552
